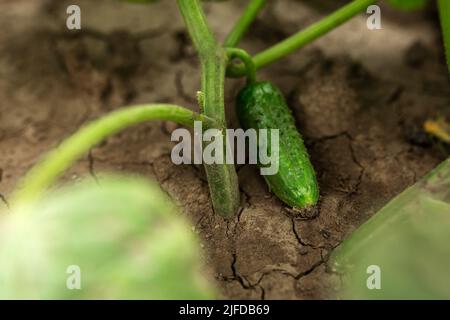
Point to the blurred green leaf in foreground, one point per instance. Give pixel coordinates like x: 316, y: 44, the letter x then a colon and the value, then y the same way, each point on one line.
x: 408, y: 239
x: 123, y: 234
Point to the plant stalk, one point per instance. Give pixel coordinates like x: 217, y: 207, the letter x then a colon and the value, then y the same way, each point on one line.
x: 222, y: 178
x: 303, y: 37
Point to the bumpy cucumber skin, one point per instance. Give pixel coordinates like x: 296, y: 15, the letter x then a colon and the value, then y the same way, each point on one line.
x: 261, y: 105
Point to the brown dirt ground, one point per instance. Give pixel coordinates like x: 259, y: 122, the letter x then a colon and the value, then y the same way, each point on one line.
x: 359, y: 97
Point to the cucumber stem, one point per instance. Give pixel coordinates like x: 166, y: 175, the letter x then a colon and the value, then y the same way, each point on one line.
x: 45, y: 172
x: 222, y: 178
x: 244, y: 22
x: 303, y: 37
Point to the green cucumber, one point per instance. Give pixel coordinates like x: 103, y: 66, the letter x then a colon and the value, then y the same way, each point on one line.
x: 261, y: 105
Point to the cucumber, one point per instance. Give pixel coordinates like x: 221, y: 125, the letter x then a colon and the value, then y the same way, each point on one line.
x: 261, y: 105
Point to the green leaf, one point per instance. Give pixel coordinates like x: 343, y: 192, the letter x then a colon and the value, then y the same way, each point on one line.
x: 408, y: 4
x: 124, y: 234
x: 408, y: 240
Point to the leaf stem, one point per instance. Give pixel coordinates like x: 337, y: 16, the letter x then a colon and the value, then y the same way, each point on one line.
x: 303, y: 37
x: 222, y: 178
x: 244, y: 22
x: 43, y: 174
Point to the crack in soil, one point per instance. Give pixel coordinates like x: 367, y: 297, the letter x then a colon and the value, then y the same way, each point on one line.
x: 263, y: 293
x: 356, y: 161
x: 300, y: 240
x: 245, y: 284
x: 241, y: 211
x: 289, y: 274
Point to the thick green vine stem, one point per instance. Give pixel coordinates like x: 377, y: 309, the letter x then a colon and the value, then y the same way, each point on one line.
x: 302, y: 38
x: 444, y: 12
x: 244, y: 22
x: 42, y: 175
x: 222, y: 178
x: 242, y: 55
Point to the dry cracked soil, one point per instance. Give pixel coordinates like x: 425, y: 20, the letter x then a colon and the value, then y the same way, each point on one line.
x: 359, y: 98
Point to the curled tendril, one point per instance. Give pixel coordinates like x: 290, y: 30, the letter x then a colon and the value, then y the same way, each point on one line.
x: 247, y: 60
